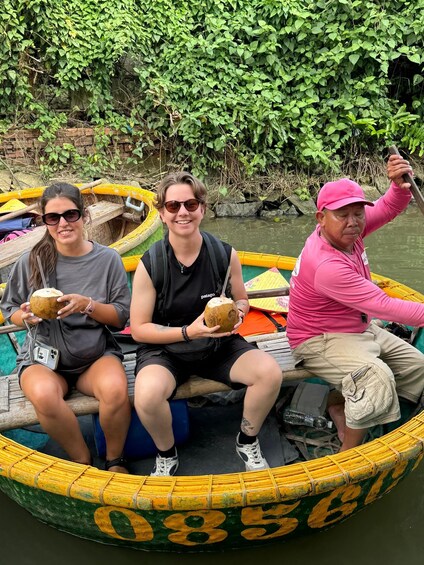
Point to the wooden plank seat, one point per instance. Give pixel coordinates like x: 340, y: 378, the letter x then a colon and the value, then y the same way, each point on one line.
x: 100, y: 212
x: 16, y: 411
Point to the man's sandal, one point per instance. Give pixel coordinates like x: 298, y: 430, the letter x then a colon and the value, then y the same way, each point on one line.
x: 118, y: 462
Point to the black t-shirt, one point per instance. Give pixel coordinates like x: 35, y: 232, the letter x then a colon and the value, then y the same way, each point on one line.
x: 189, y: 288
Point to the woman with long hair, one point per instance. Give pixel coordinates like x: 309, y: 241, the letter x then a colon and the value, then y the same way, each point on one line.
x: 95, y: 296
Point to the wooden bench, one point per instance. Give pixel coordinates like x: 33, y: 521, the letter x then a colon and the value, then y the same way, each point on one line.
x: 16, y: 411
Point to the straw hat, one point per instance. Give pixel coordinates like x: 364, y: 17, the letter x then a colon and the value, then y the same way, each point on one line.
x: 12, y: 205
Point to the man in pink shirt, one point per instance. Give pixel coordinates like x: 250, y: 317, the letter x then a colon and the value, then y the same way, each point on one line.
x: 333, y: 301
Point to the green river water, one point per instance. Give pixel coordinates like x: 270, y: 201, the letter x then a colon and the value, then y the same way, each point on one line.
x: 388, y: 531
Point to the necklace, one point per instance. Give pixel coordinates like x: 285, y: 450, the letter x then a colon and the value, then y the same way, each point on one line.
x: 182, y: 267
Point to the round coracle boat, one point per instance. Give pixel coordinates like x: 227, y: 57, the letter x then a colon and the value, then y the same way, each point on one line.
x: 214, y: 511
x: 122, y: 217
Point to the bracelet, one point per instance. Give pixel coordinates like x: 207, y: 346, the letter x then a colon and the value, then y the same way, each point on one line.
x: 89, y: 308
x: 185, y: 334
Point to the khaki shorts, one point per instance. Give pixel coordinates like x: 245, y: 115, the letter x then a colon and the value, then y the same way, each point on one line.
x: 370, y: 370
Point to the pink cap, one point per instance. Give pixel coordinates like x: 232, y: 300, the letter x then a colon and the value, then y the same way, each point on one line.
x: 335, y: 195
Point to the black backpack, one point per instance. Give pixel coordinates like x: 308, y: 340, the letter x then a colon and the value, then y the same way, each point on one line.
x: 160, y: 268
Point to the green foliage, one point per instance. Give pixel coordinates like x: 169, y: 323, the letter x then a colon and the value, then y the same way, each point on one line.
x: 256, y: 83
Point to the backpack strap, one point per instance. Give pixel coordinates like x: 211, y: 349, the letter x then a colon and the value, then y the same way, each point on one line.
x: 159, y: 271
x: 280, y: 327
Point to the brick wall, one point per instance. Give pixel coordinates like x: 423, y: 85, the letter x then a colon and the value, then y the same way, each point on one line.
x: 23, y: 147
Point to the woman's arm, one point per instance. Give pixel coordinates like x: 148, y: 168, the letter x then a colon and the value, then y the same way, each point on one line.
x: 143, y: 303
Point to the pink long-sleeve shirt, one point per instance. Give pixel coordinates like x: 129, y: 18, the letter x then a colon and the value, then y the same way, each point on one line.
x: 332, y: 292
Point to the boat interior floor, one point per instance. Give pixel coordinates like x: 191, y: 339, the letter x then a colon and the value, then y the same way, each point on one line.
x: 210, y: 447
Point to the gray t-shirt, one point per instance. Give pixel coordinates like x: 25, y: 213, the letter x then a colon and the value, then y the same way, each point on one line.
x: 80, y: 339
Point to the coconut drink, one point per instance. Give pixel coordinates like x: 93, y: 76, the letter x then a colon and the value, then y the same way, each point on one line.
x: 44, y: 304
x: 223, y: 312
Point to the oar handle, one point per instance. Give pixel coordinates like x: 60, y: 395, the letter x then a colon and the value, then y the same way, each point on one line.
x: 269, y: 292
x: 419, y: 199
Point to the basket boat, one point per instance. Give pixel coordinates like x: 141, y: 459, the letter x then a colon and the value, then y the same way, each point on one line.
x: 122, y: 217
x: 214, y: 511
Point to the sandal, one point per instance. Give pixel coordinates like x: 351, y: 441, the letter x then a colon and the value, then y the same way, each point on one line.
x: 118, y: 462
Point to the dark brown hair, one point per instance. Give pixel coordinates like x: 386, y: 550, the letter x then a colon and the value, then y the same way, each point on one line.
x: 181, y: 177
x: 46, y: 248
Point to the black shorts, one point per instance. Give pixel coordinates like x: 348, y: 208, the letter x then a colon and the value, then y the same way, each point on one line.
x: 216, y: 367
x: 71, y: 376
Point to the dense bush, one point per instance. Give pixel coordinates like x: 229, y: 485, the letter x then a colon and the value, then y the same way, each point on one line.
x: 245, y: 83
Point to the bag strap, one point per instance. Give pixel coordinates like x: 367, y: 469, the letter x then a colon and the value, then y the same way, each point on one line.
x: 277, y: 324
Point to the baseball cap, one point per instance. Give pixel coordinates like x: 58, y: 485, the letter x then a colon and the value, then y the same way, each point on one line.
x: 339, y: 193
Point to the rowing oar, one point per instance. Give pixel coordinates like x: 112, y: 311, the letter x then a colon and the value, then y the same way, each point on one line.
x: 269, y: 292
x: 416, y: 192
x: 18, y: 213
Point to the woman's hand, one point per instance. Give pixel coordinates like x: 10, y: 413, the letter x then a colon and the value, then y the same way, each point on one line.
x: 76, y: 303
x: 27, y: 316
x: 397, y: 166
x: 199, y: 329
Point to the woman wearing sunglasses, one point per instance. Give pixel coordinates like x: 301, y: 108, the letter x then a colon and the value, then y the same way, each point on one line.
x: 181, y: 201
x: 96, y: 295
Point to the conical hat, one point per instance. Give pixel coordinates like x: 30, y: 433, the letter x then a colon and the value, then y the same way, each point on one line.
x: 12, y: 206
x: 272, y: 278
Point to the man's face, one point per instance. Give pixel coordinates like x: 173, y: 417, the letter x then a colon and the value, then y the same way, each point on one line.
x: 342, y: 227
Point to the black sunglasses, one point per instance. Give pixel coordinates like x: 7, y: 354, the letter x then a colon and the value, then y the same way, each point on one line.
x: 190, y: 205
x: 53, y: 218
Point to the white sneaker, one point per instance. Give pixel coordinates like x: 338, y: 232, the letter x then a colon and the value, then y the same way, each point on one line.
x: 252, y: 455
x: 165, y: 466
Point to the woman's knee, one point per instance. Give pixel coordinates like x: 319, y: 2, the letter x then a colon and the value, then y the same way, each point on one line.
x: 148, y: 396
x: 45, y: 397
x: 114, y: 391
x: 260, y: 368
x: 268, y: 370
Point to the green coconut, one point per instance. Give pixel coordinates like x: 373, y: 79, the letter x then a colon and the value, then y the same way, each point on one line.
x: 223, y: 312
x: 43, y: 303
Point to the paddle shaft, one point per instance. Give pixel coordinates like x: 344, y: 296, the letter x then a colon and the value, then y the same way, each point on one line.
x: 419, y: 199
x: 269, y: 292
x: 23, y: 211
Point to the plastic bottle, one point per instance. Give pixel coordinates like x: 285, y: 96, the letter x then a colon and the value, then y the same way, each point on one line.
x: 300, y: 419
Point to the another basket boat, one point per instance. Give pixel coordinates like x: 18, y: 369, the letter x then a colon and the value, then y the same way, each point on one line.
x: 122, y: 217
x: 217, y: 511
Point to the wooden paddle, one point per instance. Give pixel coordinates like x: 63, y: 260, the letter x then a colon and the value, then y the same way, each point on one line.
x: 18, y: 213
x: 416, y: 193
x: 269, y: 292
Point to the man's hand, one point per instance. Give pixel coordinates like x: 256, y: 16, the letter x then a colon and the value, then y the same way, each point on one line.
x: 397, y: 166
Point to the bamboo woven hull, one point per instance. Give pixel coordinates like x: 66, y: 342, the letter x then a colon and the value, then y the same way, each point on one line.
x: 212, y: 512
